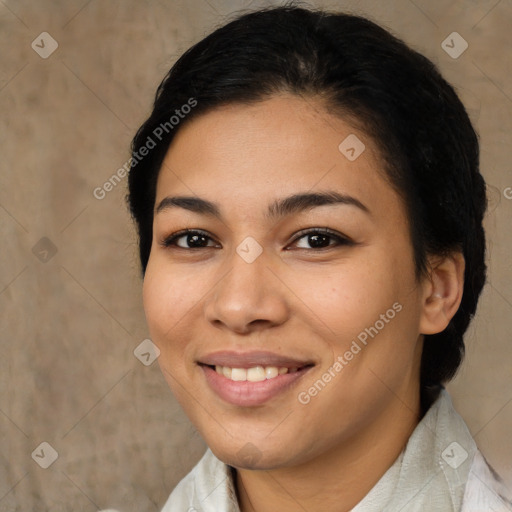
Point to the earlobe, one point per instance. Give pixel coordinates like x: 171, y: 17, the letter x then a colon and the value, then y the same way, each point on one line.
x: 443, y: 289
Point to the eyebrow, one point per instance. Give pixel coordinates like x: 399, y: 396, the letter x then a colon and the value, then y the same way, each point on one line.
x: 279, y: 208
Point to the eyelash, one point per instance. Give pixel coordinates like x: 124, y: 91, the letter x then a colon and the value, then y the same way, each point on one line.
x: 341, y: 240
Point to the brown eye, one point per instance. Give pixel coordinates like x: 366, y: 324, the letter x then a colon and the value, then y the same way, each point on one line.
x: 189, y: 239
x: 320, y: 239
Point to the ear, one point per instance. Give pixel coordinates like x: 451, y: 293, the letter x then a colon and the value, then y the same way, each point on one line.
x: 443, y: 289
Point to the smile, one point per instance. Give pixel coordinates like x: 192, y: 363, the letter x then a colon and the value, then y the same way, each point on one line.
x: 251, y: 387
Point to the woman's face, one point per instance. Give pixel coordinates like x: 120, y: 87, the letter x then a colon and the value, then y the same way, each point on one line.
x: 301, y: 279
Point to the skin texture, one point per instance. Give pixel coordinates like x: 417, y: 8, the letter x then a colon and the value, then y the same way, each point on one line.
x: 294, y: 300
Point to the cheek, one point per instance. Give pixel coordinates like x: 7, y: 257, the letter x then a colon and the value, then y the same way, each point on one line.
x: 169, y: 296
x: 353, y: 310
x: 352, y: 295
x: 169, y: 301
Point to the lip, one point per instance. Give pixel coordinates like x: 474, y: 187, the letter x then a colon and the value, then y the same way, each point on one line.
x: 250, y: 394
x: 249, y: 359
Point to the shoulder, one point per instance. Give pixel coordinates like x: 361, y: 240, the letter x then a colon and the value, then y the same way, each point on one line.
x: 484, y: 489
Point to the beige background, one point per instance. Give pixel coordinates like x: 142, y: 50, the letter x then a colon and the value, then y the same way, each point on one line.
x: 69, y: 325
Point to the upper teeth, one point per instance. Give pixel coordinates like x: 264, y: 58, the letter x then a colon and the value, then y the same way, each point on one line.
x: 255, y: 374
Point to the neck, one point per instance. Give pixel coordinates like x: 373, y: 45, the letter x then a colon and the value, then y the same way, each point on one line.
x: 339, y: 478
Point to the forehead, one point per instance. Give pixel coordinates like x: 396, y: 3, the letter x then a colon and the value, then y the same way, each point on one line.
x: 243, y: 155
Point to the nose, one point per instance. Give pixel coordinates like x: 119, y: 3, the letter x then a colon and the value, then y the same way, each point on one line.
x: 248, y: 298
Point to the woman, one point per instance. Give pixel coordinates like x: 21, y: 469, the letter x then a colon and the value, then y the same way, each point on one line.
x: 309, y: 209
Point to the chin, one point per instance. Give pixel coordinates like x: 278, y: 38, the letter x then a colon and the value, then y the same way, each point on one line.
x: 245, y: 454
